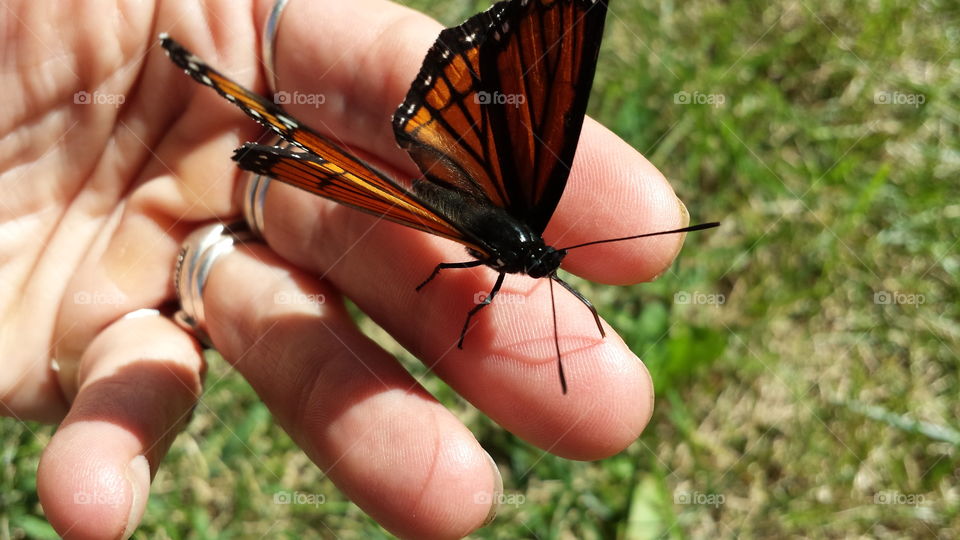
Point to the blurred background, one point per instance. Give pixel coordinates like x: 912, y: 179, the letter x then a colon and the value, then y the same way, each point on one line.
x: 805, y: 354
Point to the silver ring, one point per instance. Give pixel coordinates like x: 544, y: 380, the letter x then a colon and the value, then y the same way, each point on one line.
x: 255, y: 192
x: 268, y: 45
x: 254, y: 197
x: 141, y: 313
x: 198, y: 253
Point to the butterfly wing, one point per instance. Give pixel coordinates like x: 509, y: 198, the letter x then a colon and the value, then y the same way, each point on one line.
x: 366, y: 191
x: 267, y: 113
x: 322, y: 168
x: 497, y: 108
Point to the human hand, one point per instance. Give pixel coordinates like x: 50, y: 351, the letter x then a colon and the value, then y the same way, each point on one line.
x: 100, y: 197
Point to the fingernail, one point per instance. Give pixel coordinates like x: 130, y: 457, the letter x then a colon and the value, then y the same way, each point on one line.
x: 138, y: 475
x: 653, y: 395
x: 684, y: 214
x: 684, y: 221
x: 497, y: 492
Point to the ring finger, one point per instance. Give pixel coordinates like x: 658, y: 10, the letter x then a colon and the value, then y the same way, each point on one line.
x: 395, y: 451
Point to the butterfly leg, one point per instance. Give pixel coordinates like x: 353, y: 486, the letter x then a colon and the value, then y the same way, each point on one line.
x: 582, y: 298
x: 442, y: 266
x: 556, y: 341
x: 486, y: 302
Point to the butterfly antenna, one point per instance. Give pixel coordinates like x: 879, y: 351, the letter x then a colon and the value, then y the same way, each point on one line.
x: 691, y: 228
x: 556, y: 340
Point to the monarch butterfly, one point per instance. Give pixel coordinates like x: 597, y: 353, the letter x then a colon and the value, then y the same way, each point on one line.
x: 492, y: 121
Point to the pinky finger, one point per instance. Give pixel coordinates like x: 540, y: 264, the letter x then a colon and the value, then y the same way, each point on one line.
x: 139, y: 381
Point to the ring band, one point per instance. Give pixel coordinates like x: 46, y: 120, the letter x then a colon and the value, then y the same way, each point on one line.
x: 255, y: 191
x: 198, y: 253
x: 254, y: 198
x: 268, y: 45
x: 141, y: 313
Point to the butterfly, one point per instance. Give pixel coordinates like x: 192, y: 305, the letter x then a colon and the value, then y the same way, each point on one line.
x: 492, y: 121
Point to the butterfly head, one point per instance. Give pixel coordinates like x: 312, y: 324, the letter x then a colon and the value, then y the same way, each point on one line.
x: 532, y: 257
x: 542, y: 260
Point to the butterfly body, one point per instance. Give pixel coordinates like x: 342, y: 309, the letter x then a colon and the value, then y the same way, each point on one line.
x: 533, y: 258
x: 509, y: 244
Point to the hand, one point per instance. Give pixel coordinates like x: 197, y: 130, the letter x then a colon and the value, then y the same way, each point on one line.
x: 112, y: 156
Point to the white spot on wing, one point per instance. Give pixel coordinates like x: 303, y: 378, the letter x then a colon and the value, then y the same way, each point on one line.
x: 287, y: 121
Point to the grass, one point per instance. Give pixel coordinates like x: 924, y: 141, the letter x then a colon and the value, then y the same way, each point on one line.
x: 809, y: 388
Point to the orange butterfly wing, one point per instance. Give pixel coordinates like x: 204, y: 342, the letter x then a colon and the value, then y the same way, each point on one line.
x: 324, y: 168
x: 368, y: 191
x: 497, y: 108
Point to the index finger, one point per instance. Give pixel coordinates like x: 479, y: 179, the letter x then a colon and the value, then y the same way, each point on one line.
x: 363, y: 64
x: 508, y: 366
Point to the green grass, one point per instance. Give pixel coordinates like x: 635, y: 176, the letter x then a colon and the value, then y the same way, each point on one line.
x: 796, y: 407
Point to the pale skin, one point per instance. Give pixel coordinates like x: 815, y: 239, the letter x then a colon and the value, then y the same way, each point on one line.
x: 98, y: 198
